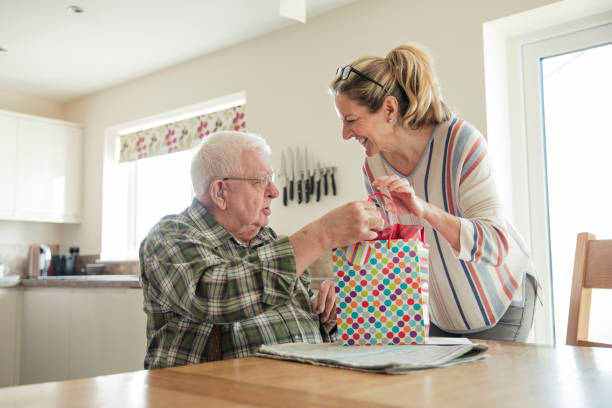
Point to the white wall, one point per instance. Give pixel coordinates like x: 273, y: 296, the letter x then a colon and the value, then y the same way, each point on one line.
x: 285, y: 76
x: 16, y: 232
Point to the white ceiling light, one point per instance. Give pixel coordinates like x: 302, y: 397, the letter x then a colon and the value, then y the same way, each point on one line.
x: 74, y: 9
x: 295, y: 9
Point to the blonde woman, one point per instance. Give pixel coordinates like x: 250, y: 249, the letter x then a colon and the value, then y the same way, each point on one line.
x: 436, y: 168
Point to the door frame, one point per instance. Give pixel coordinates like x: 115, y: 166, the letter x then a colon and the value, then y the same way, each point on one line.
x: 512, y: 95
x: 599, y: 32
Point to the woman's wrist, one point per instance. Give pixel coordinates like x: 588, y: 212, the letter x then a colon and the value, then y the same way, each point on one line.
x: 448, y: 225
x: 428, y: 211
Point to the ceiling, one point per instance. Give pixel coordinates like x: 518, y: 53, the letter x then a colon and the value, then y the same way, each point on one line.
x: 61, y: 56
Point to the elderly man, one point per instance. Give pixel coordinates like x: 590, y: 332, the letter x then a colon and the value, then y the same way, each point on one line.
x: 218, y: 282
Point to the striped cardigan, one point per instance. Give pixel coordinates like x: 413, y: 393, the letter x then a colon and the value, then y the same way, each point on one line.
x: 472, y: 289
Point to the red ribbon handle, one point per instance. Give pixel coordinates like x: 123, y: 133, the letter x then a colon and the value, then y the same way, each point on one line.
x: 392, y: 227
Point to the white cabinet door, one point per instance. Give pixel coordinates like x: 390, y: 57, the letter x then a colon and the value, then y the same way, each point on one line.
x: 72, y: 333
x: 44, y: 338
x: 74, y: 173
x: 107, y: 331
x: 71, y: 137
x: 48, y: 171
x: 8, y: 164
x: 9, y: 337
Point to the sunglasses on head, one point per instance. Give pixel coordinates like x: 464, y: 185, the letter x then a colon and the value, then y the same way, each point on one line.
x: 344, y: 72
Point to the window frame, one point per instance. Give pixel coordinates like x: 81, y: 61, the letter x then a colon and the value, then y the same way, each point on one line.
x: 118, y: 220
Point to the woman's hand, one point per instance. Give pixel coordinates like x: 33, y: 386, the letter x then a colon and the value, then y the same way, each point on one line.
x: 407, y: 202
x: 403, y: 194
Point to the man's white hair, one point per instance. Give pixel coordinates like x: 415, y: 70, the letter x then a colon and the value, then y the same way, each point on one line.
x: 220, y: 155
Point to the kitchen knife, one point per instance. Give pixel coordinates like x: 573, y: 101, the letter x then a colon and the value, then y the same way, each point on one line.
x: 284, y: 178
x: 300, y: 174
x: 333, y: 180
x: 307, y: 187
x: 318, y: 179
x: 292, y: 169
x: 311, y: 171
x: 325, y: 171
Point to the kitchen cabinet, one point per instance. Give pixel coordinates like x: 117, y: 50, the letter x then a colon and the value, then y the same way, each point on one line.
x: 43, y: 173
x: 107, y: 332
x: 10, y: 317
x: 44, y: 336
x: 72, y: 333
x: 8, y: 164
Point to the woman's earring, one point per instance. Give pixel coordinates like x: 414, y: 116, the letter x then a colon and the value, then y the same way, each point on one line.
x: 390, y: 121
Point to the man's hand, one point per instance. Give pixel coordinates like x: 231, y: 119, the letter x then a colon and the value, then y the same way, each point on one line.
x: 324, y: 304
x: 352, y: 222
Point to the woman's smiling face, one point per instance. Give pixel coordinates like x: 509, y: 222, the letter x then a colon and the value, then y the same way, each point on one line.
x: 368, y: 129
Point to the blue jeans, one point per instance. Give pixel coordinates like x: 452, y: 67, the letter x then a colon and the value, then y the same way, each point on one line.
x: 514, y: 325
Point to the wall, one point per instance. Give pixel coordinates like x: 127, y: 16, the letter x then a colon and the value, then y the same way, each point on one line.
x: 285, y: 76
x: 16, y: 232
x: 31, y: 105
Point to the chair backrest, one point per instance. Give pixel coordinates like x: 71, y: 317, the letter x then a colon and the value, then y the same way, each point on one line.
x: 592, y: 270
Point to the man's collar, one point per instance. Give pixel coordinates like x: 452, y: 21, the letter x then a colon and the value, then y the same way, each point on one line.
x: 265, y: 234
x: 215, y: 233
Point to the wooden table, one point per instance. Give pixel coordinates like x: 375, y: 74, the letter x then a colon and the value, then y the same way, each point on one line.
x: 516, y: 375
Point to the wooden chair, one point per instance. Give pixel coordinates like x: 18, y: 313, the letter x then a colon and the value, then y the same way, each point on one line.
x: 592, y: 269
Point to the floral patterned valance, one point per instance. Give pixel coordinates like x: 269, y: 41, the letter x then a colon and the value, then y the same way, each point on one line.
x: 178, y: 136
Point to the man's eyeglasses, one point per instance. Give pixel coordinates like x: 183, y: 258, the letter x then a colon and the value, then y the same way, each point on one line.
x: 344, y: 73
x: 263, y: 180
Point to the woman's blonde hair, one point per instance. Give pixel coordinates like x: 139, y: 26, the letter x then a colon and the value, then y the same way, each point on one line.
x: 407, y: 74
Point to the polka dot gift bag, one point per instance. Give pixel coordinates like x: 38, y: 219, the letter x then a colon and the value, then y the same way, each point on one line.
x: 382, y: 287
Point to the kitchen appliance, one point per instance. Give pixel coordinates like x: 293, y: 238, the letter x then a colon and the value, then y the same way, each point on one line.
x: 42, y: 262
x: 93, y: 269
x: 45, y: 260
x: 33, y: 262
x: 64, y: 264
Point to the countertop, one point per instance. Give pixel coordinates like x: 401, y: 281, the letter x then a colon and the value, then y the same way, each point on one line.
x: 103, y: 281
x: 85, y: 281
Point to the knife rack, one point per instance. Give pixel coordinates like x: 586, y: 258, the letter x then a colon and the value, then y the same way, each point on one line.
x: 303, y: 182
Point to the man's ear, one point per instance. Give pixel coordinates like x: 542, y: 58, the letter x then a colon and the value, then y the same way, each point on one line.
x: 217, y: 194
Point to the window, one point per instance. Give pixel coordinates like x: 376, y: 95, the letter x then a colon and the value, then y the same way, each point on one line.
x: 138, y: 192
x: 160, y: 185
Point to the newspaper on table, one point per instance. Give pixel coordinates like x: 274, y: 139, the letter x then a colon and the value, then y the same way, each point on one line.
x: 398, y: 359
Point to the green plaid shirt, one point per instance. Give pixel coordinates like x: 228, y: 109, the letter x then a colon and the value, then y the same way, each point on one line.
x: 194, y: 275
